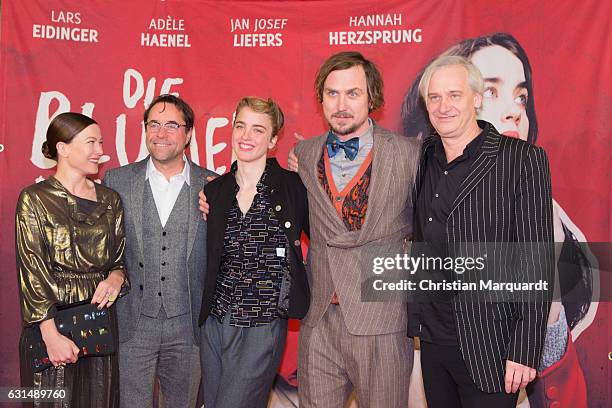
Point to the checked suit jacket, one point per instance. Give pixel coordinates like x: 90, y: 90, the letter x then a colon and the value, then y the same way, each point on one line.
x: 335, y: 252
x: 505, y: 198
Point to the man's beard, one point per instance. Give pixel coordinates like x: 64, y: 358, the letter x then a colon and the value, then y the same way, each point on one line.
x: 345, y: 131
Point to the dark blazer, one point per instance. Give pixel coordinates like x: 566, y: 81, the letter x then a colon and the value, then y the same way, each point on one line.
x: 505, y: 197
x: 291, y: 205
x: 129, y: 182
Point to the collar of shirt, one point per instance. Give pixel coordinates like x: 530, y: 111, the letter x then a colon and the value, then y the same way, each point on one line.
x: 165, y: 192
x: 157, y: 177
x: 469, y: 151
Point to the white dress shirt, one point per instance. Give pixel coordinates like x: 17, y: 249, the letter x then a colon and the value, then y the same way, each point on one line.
x: 165, y: 192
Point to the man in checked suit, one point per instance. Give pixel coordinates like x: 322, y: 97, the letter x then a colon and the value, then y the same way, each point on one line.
x: 166, y: 257
x: 359, y: 178
x: 475, y: 186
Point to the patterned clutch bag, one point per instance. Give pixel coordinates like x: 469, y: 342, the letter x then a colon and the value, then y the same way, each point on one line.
x: 91, y: 330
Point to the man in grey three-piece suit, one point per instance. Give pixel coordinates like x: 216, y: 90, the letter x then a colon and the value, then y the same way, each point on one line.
x: 166, y: 257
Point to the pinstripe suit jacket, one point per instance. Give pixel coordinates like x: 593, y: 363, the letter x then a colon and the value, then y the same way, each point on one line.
x: 334, y: 255
x: 505, y: 197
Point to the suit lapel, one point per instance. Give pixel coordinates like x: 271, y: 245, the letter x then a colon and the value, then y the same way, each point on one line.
x: 312, y: 157
x: 136, y: 200
x: 482, y: 165
x: 194, y: 215
x: 222, y: 199
x: 427, y: 143
x: 382, y: 165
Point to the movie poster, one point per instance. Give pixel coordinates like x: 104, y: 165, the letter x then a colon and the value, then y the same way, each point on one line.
x: 547, y: 69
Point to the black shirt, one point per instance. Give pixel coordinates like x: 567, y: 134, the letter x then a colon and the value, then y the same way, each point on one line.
x: 253, y: 263
x: 439, y: 188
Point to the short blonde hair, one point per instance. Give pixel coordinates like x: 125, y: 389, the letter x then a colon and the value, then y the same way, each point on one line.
x: 269, y: 107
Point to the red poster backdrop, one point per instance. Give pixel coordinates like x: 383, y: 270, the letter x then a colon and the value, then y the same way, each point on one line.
x: 109, y: 58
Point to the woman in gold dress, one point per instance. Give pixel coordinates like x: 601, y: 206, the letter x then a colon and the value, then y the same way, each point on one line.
x: 70, y: 244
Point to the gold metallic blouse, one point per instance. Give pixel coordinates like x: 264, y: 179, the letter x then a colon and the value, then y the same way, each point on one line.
x: 62, y: 253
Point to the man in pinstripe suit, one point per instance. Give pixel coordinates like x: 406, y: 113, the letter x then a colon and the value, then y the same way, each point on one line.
x: 475, y: 186
x: 359, y: 178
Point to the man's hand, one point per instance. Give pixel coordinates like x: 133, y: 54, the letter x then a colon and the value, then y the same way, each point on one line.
x: 292, y: 161
x: 518, y: 376
x: 204, y: 207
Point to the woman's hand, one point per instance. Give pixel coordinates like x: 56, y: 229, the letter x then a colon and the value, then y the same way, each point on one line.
x: 60, y: 349
x: 108, y: 290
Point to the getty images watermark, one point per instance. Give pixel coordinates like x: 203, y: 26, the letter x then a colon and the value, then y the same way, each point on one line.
x: 442, y: 266
x: 499, y: 271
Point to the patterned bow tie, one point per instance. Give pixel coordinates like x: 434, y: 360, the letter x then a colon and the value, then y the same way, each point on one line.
x: 350, y: 147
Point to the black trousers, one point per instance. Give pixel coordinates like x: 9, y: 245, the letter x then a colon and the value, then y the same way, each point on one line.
x: 449, y: 385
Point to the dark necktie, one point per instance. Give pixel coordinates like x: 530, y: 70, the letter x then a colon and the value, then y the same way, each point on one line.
x: 350, y: 147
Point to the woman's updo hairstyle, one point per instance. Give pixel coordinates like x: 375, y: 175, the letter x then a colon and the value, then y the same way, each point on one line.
x: 63, y: 128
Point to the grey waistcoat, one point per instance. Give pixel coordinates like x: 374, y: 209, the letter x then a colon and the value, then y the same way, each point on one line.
x: 165, y: 257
